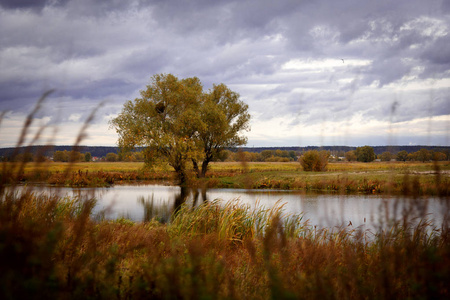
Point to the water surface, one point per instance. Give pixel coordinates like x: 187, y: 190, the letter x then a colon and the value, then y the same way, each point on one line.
x: 143, y: 202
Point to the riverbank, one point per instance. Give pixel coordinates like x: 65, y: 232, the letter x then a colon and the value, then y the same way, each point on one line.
x: 343, y: 177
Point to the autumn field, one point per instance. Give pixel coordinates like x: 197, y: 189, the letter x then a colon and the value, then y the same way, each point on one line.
x: 430, y: 178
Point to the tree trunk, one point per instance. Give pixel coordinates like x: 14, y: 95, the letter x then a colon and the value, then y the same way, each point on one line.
x: 180, y: 169
x: 197, y: 171
x: 182, y: 178
x: 204, y: 167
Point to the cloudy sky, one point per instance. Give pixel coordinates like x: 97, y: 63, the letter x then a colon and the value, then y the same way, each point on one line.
x: 320, y: 72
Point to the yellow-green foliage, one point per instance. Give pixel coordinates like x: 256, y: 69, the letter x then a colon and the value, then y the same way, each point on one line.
x: 314, y: 160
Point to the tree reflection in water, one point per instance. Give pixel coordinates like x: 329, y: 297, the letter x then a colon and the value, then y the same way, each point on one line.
x: 162, y: 211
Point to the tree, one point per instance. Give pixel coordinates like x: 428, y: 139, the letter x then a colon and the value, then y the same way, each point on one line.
x: 265, y: 154
x: 164, y: 121
x: 386, y: 156
x: 447, y: 154
x: 314, y: 160
x: 365, y: 154
x: 350, y: 155
x: 176, y: 120
x: 412, y: 156
x: 75, y: 156
x: 281, y: 153
x: 439, y: 156
x: 222, y: 117
x: 112, y: 157
x: 87, y: 156
x: 223, y: 155
x: 402, y: 155
x: 62, y: 156
x: 292, y: 155
x: 255, y: 156
x: 423, y: 155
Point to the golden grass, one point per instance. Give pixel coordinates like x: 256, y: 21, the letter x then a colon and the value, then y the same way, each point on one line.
x: 375, y: 177
x: 83, y: 166
x: 238, y: 167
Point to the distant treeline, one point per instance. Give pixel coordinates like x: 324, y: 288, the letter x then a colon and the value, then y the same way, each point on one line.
x: 96, y: 151
x: 102, y: 151
x: 376, y: 149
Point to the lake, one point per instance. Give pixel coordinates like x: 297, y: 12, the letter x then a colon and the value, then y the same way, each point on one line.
x: 143, y: 202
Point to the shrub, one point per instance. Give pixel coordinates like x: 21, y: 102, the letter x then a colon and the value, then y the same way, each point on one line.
x: 402, y: 155
x: 112, y: 157
x: 439, y: 156
x: 350, y: 156
x: 87, y: 156
x: 277, y: 159
x: 314, y: 160
x: 424, y: 155
x: 386, y: 156
x: 365, y: 154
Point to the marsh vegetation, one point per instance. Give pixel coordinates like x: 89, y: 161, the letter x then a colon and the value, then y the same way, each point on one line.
x: 54, y: 246
x: 398, y: 178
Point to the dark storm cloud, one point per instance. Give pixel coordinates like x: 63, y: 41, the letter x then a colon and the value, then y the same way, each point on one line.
x: 96, y: 50
x: 437, y: 56
x: 91, y: 7
x: 23, y: 4
x: 99, y: 88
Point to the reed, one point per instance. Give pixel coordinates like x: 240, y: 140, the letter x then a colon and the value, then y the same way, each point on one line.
x: 218, y: 250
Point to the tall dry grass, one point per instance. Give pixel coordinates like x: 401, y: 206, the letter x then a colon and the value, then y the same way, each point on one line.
x: 52, y: 247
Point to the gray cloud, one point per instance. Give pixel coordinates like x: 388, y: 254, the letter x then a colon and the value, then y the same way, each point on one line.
x: 96, y: 50
x: 24, y: 4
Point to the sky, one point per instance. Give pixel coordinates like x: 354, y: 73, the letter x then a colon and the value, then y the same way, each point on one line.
x: 322, y: 73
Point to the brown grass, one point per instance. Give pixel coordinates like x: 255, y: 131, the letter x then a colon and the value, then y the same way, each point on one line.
x: 53, y: 248
x: 376, y: 177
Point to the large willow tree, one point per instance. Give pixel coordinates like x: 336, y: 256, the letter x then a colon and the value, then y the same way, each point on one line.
x: 175, y: 119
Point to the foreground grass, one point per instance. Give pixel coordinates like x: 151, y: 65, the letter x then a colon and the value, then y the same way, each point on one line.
x: 377, y: 177
x: 54, y: 248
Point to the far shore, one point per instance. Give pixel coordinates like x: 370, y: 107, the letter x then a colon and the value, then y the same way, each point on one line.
x: 429, y: 178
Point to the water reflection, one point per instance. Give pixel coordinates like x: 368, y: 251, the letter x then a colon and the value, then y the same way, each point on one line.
x: 147, y: 202
x: 154, y: 209
x: 162, y: 210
